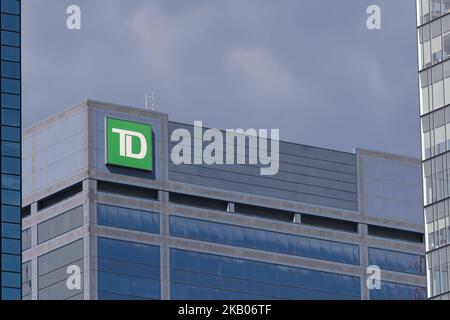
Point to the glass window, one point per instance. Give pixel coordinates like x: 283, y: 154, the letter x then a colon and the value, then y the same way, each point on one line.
x: 10, y: 134
x: 10, y: 117
x: 437, y: 74
x: 10, y: 197
x: 10, y: 69
x: 60, y: 224
x: 425, y: 81
x: 426, y: 16
x: 428, y: 182
x: 128, y: 270
x: 446, y: 40
x: 10, y: 182
x: 11, y: 262
x: 436, y: 41
x: 26, y: 239
x: 397, y: 261
x: 426, y: 50
x: 129, y: 251
x: 396, y: 291
x: 436, y: 28
x: 273, y: 241
x: 11, y: 214
x: 11, y: 86
x: 11, y: 165
x: 439, y: 132
x: 10, y: 149
x: 11, y: 294
x: 10, y: 22
x: 10, y: 53
x: 436, y: 273
x: 447, y: 82
x: 11, y: 279
x: 11, y: 101
x: 445, y: 6
x: 11, y: 246
x: 426, y: 137
x: 11, y: 230
x: 438, y: 87
x: 435, y: 8
x: 446, y: 24
x: 10, y: 6
x: 10, y: 38
x: 126, y: 218
x: 220, y: 277
x: 426, y: 33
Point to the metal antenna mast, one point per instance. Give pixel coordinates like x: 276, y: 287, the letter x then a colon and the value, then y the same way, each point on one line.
x: 150, y: 106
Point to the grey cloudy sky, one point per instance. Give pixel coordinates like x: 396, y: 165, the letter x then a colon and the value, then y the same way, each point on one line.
x: 310, y: 68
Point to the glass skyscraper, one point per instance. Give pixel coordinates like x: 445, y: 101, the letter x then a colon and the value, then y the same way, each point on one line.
x: 433, y: 20
x: 10, y: 198
x: 213, y: 231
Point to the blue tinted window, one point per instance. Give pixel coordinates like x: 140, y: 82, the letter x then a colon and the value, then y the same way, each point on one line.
x: 10, y: 38
x: 263, y: 240
x: 11, y: 294
x: 10, y: 22
x: 10, y: 6
x: 11, y: 197
x: 128, y: 270
x: 11, y: 101
x: 102, y: 295
x: 396, y: 291
x: 130, y: 251
x: 11, y: 86
x: 197, y: 275
x: 10, y: 69
x: 10, y: 149
x: 10, y: 117
x: 11, y: 214
x: 10, y: 53
x: 10, y: 182
x: 10, y: 165
x: 11, y: 262
x: 126, y: 218
x: 133, y: 287
x: 10, y: 230
x: 10, y: 134
x: 11, y: 246
x: 397, y: 261
x: 11, y: 279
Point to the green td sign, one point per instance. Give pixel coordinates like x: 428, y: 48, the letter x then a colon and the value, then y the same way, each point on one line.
x: 129, y: 144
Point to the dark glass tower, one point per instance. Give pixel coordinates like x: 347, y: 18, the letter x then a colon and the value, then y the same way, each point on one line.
x: 10, y: 197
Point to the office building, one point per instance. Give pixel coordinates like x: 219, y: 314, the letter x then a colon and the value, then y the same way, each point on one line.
x: 433, y: 20
x: 10, y: 105
x: 104, y: 203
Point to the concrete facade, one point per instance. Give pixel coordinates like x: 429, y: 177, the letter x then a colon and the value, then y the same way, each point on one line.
x: 68, y: 150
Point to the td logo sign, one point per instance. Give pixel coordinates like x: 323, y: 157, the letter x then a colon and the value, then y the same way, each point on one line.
x: 129, y: 144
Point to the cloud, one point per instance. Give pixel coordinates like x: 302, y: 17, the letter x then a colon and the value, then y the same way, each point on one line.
x: 310, y: 68
x: 261, y: 72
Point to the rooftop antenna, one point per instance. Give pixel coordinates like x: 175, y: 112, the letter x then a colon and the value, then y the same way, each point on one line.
x: 150, y: 106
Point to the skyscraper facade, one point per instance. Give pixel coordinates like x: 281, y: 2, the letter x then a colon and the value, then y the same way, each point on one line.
x: 106, y: 203
x: 10, y: 198
x: 433, y: 21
